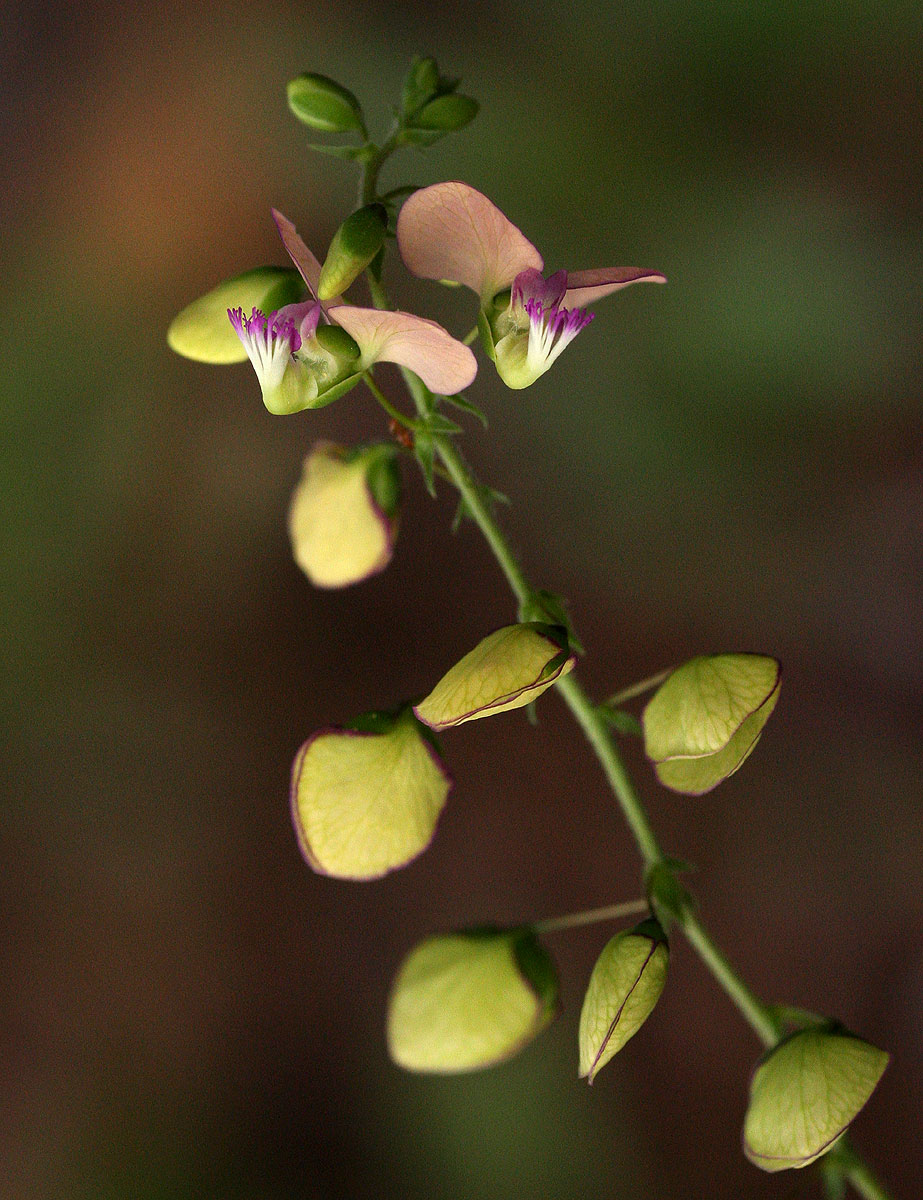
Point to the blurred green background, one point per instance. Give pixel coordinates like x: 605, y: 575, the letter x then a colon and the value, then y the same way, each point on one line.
x: 731, y: 462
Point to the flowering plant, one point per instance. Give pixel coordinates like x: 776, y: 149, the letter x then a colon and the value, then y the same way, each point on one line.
x: 366, y: 796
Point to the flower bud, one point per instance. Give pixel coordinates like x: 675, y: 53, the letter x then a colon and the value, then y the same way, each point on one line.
x: 467, y: 1000
x: 625, y: 985
x: 804, y: 1094
x: 354, y: 245
x: 705, y: 720
x: 344, y: 513
x: 202, y: 330
x: 324, y: 104
x: 420, y: 85
x: 508, y: 669
x: 447, y: 113
x: 366, y: 799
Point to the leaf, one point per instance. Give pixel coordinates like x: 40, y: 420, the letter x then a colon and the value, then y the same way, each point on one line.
x: 351, y: 153
x: 459, y: 401
x: 469, y: 1000
x: 365, y: 803
x: 805, y: 1093
x: 508, y: 669
x: 424, y: 451
x: 625, y: 985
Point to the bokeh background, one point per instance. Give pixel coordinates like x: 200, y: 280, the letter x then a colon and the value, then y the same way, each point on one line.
x: 731, y: 462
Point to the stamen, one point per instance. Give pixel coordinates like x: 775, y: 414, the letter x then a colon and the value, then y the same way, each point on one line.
x: 550, y: 331
x: 270, y: 342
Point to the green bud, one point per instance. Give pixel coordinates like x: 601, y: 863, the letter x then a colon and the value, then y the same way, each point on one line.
x: 366, y: 801
x: 804, y: 1094
x: 324, y: 104
x: 447, y: 113
x: 625, y: 985
x: 343, y: 517
x: 338, y: 343
x: 705, y: 720
x: 508, y: 669
x: 420, y: 85
x: 354, y: 245
x: 468, y: 1000
x: 202, y: 330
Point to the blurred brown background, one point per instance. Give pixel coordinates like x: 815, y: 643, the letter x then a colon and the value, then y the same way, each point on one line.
x: 732, y: 462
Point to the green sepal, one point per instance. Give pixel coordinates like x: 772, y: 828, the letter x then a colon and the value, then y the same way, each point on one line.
x: 324, y: 104
x: 354, y: 245
x: 336, y: 341
x: 804, y: 1094
x: 705, y: 719
x: 487, y: 336
x: 335, y: 392
x: 507, y: 669
x: 383, y: 477
x: 666, y: 894
x: 468, y: 1000
x: 447, y: 113
x: 626, y: 984
x: 202, y: 330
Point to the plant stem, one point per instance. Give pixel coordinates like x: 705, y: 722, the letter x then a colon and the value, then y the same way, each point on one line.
x: 611, y: 912
x: 758, y: 1016
x: 637, y: 689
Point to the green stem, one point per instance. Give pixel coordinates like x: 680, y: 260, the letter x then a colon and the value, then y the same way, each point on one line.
x: 859, y: 1174
x: 597, y: 734
x: 757, y: 1015
x: 637, y: 689
x: 592, y: 916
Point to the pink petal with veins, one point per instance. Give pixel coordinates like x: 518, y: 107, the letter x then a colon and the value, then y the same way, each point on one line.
x: 451, y: 231
x: 444, y: 364
x: 583, y: 287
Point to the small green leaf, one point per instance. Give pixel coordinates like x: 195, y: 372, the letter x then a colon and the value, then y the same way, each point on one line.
x: 343, y: 516
x: 438, y: 422
x: 324, y: 104
x: 447, y: 113
x: 469, y: 1000
x: 508, y: 669
x: 203, y: 332
x: 350, y: 153
x: 459, y: 401
x: 365, y: 803
x: 424, y: 451
x: 804, y: 1094
x: 625, y: 985
x: 706, y: 718
x: 354, y: 245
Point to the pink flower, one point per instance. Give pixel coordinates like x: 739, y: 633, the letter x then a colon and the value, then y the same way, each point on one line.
x: 451, y: 231
x: 306, y: 355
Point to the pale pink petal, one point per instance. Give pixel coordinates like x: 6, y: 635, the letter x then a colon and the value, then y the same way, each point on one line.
x: 444, y: 365
x: 451, y: 231
x: 308, y: 266
x: 583, y: 287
